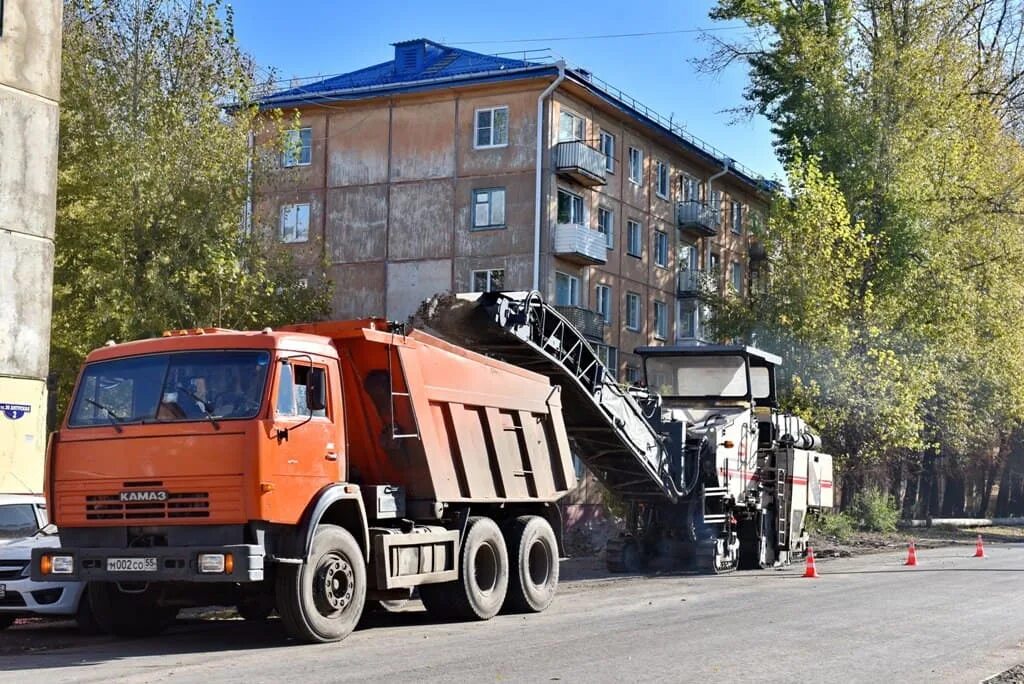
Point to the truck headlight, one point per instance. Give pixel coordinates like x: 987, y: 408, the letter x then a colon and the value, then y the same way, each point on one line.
x: 216, y: 563
x: 57, y: 565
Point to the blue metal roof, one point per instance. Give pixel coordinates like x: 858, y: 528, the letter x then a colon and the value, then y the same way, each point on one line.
x: 417, y: 63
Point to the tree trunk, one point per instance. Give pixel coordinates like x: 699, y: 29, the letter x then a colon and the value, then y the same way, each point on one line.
x: 910, y: 493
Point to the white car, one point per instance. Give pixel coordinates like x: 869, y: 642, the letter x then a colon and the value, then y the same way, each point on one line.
x: 23, y: 527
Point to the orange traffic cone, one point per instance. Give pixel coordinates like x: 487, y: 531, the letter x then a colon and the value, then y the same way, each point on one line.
x: 979, y: 549
x: 911, y: 555
x: 811, y: 570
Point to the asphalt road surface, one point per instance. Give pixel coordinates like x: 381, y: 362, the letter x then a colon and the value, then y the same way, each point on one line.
x: 953, y: 618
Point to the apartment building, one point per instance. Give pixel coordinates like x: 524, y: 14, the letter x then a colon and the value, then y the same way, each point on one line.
x: 445, y: 169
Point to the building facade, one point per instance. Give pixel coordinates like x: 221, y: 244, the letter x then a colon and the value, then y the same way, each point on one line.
x: 30, y: 35
x: 444, y: 169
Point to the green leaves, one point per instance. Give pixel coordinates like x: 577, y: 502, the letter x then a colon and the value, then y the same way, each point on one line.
x: 154, y: 180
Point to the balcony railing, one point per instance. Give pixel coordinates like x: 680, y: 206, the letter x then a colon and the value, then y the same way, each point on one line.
x: 697, y: 216
x: 581, y: 162
x: 588, y: 322
x: 692, y: 282
x: 577, y: 243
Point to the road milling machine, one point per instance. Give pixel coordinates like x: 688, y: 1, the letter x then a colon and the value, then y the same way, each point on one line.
x: 712, y: 474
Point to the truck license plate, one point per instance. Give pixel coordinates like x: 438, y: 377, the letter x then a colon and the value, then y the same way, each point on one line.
x: 131, y: 565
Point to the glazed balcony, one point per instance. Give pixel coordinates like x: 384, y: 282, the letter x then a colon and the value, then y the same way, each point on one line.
x: 579, y: 244
x: 579, y: 161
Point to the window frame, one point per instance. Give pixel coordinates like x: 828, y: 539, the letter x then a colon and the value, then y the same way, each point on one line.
x: 603, y: 301
x: 582, y: 121
x: 661, y: 237
x: 609, y: 158
x: 281, y: 223
x: 660, y: 319
x: 609, y: 230
x: 490, y: 278
x: 633, y: 320
x: 689, y: 183
x: 476, y: 127
x: 630, y: 224
x: 305, y: 361
x: 736, y: 218
x: 575, y: 198
x: 286, y: 155
x: 490, y: 208
x: 736, y: 270
x: 687, y: 311
x: 574, y: 287
x: 661, y: 176
x: 638, y: 177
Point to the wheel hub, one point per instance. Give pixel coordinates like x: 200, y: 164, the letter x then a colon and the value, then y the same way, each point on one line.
x: 334, y: 585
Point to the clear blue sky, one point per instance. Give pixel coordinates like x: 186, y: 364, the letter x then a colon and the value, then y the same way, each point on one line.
x: 311, y: 37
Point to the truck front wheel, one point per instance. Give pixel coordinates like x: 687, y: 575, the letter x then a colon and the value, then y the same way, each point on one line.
x: 533, y: 564
x: 322, y: 599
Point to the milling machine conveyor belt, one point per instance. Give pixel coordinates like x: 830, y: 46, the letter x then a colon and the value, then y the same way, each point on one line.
x: 607, y: 425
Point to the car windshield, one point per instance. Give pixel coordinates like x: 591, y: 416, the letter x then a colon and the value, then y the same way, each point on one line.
x: 17, y: 521
x: 171, y: 387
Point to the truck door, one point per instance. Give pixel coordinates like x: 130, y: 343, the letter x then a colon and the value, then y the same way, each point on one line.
x: 309, y: 453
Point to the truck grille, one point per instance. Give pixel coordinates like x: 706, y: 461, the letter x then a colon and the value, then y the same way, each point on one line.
x: 177, y: 505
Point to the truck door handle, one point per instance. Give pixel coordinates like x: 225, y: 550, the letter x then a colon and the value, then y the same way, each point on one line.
x: 331, y: 456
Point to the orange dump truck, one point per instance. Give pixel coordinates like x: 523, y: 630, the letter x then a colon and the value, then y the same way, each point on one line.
x: 307, y: 469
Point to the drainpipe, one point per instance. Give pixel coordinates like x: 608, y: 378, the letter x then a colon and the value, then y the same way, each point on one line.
x: 537, y: 178
x: 726, y: 165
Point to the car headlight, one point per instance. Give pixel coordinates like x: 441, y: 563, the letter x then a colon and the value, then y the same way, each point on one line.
x: 57, y: 565
x: 216, y: 563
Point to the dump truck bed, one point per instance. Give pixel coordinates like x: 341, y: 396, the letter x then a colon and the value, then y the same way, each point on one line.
x: 445, y: 423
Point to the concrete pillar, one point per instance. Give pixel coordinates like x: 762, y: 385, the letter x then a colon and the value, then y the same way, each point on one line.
x: 30, y: 36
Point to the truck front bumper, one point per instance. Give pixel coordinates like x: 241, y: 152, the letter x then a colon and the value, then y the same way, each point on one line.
x: 151, y: 564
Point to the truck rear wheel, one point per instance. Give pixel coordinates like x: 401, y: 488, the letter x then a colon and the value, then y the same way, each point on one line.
x: 533, y: 564
x: 128, y: 614
x: 480, y: 591
x: 322, y: 599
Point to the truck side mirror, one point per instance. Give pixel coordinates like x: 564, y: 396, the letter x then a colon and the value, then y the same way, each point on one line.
x: 316, y: 391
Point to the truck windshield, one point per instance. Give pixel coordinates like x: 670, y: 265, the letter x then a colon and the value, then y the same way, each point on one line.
x: 171, y: 387
x: 698, y: 376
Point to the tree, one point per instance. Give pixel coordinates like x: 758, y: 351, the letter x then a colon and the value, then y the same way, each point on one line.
x: 913, y: 107
x: 154, y: 178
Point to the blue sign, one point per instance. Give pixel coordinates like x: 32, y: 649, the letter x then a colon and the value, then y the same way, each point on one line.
x: 14, y: 411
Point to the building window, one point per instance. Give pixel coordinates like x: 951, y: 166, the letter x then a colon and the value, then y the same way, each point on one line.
x: 571, y: 127
x: 736, y: 220
x: 567, y: 289
x: 661, y: 179
x: 634, y: 238
x: 687, y: 319
x: 489, y: 280
x: 570, y: 208
x: 294, y: 223
x: 491, y: 128
x: 489, y: 208
x: 298, y: 148
x: 606, y: 225
x: 660, y: 320
x: 636, y: 166
x: 603, y: 302
x: 609, y: 356
x: 691, y: 189
x: 716, y: 207
x: 608, y: 148
x: 632, y: 311
x: 632, y: 374
x: 660, y: 248
x: 737, y: 276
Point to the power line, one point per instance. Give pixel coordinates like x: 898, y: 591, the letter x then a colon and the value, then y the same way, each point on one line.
x: 607, y: 35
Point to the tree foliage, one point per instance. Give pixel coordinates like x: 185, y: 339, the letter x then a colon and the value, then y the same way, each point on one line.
x: 154, y: 179
x: 896, y: 280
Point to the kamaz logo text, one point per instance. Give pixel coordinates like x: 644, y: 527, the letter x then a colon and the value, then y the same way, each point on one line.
x: 129, y: 497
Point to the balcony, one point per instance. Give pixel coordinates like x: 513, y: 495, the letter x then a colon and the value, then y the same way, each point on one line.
x: 581, y: 162
x: 697, y: 216
x: 694, y: 282
x: 579, y: 244
x: 588, y: 322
